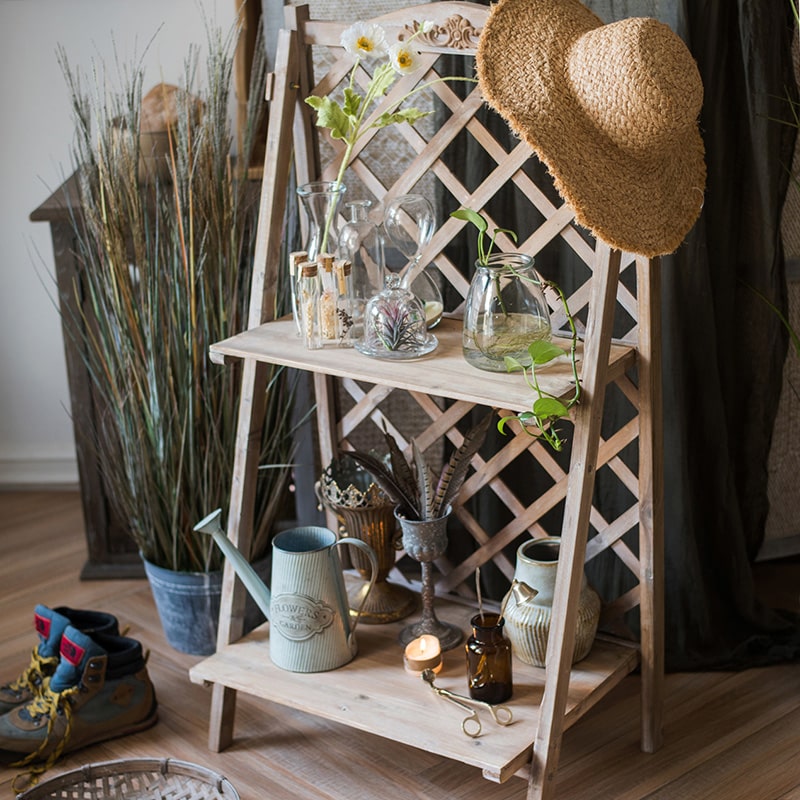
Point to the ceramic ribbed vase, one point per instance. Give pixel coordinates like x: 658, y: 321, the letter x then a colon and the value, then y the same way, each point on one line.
x: 529, y: 604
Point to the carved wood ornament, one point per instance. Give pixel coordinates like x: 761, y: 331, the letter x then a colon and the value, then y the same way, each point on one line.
x: 456, y: 32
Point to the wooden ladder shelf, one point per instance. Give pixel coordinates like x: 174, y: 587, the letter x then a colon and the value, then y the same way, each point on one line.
x: 373, y: 692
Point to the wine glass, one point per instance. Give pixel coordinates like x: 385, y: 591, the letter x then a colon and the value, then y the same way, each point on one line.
x: 409, y: 223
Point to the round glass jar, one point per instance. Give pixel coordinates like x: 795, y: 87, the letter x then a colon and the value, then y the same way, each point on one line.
x: 505, y: 312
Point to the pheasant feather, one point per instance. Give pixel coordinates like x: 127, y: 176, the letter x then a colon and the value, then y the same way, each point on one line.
x: 455, y: 471
x: 410, y: 485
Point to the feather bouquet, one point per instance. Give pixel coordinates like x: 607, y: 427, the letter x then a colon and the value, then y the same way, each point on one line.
x: 411, y: 484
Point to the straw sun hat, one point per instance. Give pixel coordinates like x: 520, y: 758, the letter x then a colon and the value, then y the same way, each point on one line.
x: 611, y: 110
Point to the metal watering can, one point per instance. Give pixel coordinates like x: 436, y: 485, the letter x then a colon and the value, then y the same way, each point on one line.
x: 308, y: 611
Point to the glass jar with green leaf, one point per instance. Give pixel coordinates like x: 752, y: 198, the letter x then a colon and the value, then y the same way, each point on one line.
x: 507, y: 328
x: 505, y: 308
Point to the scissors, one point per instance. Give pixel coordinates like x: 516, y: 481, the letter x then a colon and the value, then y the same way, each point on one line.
x: 471, y: 724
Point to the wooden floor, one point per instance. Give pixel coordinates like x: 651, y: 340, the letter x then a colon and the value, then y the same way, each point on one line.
x: 727, y: 736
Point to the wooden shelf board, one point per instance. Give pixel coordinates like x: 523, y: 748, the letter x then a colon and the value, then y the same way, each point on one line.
x: 443, y: 373
x: 374, y: 693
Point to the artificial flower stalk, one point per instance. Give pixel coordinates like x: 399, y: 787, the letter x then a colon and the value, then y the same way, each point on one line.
x: 345, y: 121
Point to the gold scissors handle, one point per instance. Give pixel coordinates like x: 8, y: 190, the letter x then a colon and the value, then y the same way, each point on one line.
x: 471, y: 724
x: 502, y: 715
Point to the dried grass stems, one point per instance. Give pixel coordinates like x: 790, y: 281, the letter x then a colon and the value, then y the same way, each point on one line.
x: 165, y: 271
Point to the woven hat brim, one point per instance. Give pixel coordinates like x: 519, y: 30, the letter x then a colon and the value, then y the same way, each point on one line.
x: 642, y: 202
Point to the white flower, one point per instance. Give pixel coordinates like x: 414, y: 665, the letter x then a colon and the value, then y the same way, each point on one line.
x: 405, y: 59
x: 426, y: 26
x: 363, y: 39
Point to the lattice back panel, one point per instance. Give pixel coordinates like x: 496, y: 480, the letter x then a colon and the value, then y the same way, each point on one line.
x: 520, y: 481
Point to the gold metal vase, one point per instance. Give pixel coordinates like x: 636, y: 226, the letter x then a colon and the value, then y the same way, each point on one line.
x: 366, y: 513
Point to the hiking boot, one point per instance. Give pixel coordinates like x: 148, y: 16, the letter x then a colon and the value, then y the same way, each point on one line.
x: 50, y: 625
x: 100, y: 690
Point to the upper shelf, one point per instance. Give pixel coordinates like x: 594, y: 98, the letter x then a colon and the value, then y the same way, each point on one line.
x: 443, y: 373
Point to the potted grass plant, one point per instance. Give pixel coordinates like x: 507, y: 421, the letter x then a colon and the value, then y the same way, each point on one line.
x: 165, y: 267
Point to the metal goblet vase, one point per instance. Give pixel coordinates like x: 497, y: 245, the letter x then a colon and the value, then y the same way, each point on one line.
x: 425, y: 541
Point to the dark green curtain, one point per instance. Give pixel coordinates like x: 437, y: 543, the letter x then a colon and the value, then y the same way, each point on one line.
x: 724, y: 349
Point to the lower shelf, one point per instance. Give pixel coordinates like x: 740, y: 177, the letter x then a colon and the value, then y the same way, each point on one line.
x: 375, y: 694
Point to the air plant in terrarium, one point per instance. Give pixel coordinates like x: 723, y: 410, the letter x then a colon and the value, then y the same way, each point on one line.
x: 394, y: 324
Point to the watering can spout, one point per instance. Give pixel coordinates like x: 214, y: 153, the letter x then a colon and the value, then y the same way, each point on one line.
x: 247, y: 575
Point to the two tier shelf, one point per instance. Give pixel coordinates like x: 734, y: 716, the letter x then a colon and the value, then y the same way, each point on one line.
x: 615, y: 298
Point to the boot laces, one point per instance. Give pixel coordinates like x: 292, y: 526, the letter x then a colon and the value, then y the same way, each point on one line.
x: 35, y: 674
x: 48, y: 704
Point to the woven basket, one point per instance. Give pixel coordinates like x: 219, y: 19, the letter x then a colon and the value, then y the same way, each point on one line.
x: 136, y: 779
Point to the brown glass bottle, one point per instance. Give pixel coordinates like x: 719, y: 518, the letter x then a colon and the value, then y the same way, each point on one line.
x: 488, y: 660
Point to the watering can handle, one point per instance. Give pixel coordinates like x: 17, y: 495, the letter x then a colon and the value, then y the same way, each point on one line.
x: 373, y: 560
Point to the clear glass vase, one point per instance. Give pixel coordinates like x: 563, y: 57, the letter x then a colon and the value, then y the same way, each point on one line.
x: 361, y: 243
x: 505, y: 312
x: 320, y: 201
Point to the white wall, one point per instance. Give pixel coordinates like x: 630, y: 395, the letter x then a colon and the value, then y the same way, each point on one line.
x: 36, y: 439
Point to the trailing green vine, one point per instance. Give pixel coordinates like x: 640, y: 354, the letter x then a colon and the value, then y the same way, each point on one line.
x: 547, y: 409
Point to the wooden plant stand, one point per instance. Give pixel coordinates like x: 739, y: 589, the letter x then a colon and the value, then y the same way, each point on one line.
x: 373, y: 693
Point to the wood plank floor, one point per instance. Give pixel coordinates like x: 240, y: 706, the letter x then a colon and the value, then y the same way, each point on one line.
x: 728, y: 736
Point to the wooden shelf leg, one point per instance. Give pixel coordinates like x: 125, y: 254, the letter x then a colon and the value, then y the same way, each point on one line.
x: 572, y: 553
x: 252, y: 407
x: 651, y: 502
x: 222, y: 715
x: 253, y: 399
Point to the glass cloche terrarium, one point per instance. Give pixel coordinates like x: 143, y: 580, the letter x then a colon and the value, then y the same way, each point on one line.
x: 394, y: 324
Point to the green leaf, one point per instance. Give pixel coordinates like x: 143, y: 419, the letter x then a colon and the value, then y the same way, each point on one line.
x: 513, y: 364
x: 410, y: 115
x: 382, y: 79
x: 511, y: 233
x: 549, y: 408
x: 542, y: 351
x: 330, y: 115
x: 501, y: 423
x: 352, y: 103
x: 474, y: 217
x: 524, y: 417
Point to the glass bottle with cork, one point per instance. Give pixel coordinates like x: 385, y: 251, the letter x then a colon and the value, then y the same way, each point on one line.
x: 308, y: 291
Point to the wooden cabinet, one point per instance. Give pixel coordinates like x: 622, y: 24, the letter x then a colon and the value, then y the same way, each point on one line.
x: 614, y: 293
x: 111, y: 551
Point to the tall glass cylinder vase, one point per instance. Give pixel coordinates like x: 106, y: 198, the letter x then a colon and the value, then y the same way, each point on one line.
x: 361, y: 242
x: 320, y: 201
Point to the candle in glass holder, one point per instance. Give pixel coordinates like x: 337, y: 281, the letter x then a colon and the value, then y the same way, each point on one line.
x: 423, y: 653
